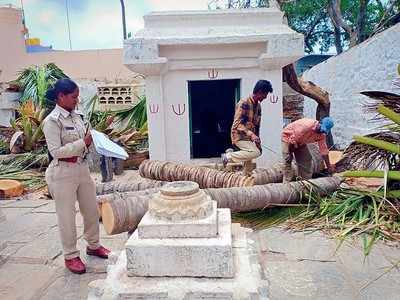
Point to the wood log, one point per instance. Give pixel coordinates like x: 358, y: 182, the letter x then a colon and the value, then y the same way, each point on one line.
x: 120, y: 187
x: 261, y: 176
x: 124, y: 211
x: 205, y: 177
x: 10, y: 188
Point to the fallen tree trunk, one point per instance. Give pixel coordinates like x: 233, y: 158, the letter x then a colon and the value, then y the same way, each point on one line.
x: 210, y: 178
x: 262, y: 196
x: 205, y: 177
x: 121, y: 211
x: 121, y: 187
x: 124, y: 211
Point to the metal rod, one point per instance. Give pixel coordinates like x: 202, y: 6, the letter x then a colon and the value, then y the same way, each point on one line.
x: 123, y: 18
x: 68, y: 24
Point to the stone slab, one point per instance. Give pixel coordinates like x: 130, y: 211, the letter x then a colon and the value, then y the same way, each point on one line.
x: 311, y: 266
x: 49, y: 208
x: 45, y: 248
x: 6, y: 202
x: 24, y: 281
x: 2, y: 216
x: 27, y: 227
x: 151, y: 227
x: 197, y: 257
x: 12, y: 213
x: 23, y: 203
x: 69, y: 286
x: 248, y: 282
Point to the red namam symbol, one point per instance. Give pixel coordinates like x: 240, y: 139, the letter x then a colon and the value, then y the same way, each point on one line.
x: 212, y: 74
x: 273, y: 98
x: 154, y: 108
x: 180, y: 110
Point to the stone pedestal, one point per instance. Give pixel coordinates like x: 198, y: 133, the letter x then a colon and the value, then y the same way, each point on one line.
x: 184, y: 248
x: 193, y: 257
x: 182, y: 234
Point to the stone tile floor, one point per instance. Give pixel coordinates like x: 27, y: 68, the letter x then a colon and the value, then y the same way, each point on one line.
x: 297, y: 265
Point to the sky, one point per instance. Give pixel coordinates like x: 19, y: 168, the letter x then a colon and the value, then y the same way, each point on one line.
x: 94, y: 24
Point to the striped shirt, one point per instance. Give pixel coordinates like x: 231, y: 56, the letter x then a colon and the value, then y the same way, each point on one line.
x: 302, y: 132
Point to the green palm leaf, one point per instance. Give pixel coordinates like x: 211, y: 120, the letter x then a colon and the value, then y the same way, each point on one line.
x: 35, y: 80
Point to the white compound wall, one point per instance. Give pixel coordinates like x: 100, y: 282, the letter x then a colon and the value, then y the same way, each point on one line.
x: 371, y: 65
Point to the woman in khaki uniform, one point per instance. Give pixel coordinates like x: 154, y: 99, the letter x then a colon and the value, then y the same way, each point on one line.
x: 68, y: 176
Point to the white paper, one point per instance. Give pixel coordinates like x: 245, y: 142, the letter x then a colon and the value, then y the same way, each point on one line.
x: 104, y: 146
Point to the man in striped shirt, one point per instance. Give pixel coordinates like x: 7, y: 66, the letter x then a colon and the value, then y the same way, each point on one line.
x: 246, y: 128
x: 295, y: 138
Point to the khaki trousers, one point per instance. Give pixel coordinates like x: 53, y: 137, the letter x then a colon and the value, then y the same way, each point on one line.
x: 248, y: 151
x: 68, y: 183
x: 303, y: 160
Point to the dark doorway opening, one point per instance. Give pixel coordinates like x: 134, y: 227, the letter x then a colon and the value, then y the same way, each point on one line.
x: 212, y: 107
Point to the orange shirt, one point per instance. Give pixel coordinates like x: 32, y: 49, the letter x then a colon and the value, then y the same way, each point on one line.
x: 302, y: 132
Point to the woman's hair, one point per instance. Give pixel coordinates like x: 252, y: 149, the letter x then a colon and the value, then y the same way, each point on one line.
x: 64, y: 85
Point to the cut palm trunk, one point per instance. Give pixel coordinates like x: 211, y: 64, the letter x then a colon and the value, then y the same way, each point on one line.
x: 205, y: 177
x: 121, y: 187
x: 211, y: 178
x: 123, y: 212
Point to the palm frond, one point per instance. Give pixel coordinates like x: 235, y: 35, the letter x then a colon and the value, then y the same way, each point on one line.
x: 35, y: 80
x: 362, y: 156
x: 372, y: 105
x: 134, y: 117
x: 344, y: 214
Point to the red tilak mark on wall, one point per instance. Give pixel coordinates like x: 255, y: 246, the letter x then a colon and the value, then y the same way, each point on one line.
x: 212, y: 74
x: 273, y: 98
x: 154, y: 108
x: 180, y: 111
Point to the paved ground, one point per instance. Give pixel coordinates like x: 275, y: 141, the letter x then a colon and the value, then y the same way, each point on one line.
x: 298, y: 266
x: 309, y: 266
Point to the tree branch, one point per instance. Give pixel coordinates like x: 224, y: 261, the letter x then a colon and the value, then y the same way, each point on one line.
x: 306, y: 88
x: 338, y: 20
x: 309, y: 89
x: 384, y: 18
x: 338, y: 40
x: 361, y: 18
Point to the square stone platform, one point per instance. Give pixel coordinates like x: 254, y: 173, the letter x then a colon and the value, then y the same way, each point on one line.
x: 154, y: 228
x: 248, y: 282
x: 194, y: 257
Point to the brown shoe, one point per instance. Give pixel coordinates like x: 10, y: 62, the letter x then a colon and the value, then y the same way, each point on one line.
x: 75, y: 265
x: 99, y: 252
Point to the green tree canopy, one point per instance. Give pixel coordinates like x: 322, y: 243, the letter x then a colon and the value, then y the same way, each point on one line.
x: 330, y: 23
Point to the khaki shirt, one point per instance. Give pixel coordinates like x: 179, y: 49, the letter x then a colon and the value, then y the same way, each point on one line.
x: 64, y: 132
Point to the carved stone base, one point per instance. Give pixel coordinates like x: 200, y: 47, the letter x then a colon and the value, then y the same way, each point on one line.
x: 154, y: 228
x: 195, y: 257
x: 180, y: 200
